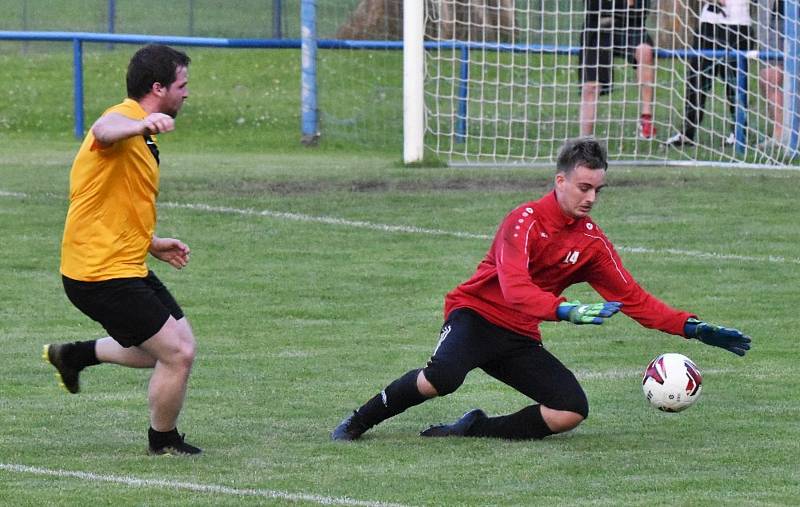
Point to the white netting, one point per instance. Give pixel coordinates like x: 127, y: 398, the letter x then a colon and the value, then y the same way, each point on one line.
x: 503, y: 80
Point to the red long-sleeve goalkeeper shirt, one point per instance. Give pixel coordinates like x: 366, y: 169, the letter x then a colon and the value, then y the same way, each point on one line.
x: 537, y: 252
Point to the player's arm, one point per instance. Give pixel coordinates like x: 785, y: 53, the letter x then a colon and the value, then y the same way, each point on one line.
x: 612, y: 280
x: 113, y: 127
x: 727, y: 338
x: 170, y: 250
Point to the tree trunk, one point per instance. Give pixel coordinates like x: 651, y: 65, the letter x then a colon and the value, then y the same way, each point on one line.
x: 489, y: 20
x: 677, y: 22
x: 374, y: 20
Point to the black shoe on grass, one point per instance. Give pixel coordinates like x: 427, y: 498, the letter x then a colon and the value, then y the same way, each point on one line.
x: 350, y: 429
x: 177, y: 447
x: 458, y: 428
x: 67, y: 375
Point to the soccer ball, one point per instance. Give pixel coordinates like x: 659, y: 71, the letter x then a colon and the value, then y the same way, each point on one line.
x: 672, y: 382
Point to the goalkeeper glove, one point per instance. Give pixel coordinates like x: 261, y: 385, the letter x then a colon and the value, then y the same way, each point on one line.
x: 577, y: 313
x: 724, y: 337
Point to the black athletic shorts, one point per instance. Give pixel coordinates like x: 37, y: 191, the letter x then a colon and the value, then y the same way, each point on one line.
x: 469, y: 341
x: 131, y: 310
x: 600, y: 45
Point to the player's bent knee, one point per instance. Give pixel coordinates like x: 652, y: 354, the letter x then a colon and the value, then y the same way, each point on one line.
x: 180, y: 357
x: 174, y: 345
x: 561, y: 420
x: 567, y: 421
x: 186, y: 354
x: 185, y: 341
x: 424, y: 387
x: 439, y: 385
x: 571, y: 399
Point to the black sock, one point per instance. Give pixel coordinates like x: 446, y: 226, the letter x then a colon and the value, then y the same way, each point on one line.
x: 396, y: 398
x: 82, y: 354
x: 523, y: 425
x: 161, y: 438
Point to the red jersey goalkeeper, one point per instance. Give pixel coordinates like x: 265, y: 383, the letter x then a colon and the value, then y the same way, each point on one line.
x: 492, y: 319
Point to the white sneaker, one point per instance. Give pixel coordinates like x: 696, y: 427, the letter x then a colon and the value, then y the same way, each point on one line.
x: 730, y: 140
x: 678, y: 140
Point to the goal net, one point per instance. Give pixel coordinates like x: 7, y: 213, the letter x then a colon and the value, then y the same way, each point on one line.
x: 660, y: 81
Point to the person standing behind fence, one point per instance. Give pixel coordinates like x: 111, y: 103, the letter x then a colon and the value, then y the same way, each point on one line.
x: 615, y: 28
x: 771, y: 76
x: 109, y: 230
x: 724, y: 25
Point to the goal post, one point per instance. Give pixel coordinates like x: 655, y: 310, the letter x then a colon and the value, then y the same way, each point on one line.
x: 502, y: 84
x: 791, y: 64
x: 413, y: 81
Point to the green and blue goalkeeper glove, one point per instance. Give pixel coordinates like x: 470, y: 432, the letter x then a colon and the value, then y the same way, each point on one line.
x: 718, y: 336
x: 577, y: 313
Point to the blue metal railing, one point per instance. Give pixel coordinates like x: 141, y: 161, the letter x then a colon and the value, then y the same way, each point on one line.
x: 309, y: 114
x: 309, y: 111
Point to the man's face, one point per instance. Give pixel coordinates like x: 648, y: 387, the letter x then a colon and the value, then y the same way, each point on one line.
x: 577, y: 191
x: 172, y: 97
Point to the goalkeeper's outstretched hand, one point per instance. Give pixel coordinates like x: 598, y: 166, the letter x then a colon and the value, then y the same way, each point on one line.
x: 718, y: 336
x: 577, y: 313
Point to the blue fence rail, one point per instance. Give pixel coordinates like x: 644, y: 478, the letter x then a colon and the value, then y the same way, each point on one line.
x: 111, y: 17
x: 309, y: 95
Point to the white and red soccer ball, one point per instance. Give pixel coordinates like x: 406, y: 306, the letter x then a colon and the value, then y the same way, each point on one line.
x: 672, y: 382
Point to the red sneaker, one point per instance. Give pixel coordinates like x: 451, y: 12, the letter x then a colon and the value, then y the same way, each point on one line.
x: 646, y: 128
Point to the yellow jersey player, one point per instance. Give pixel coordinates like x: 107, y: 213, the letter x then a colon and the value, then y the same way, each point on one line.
x: 110, y: 229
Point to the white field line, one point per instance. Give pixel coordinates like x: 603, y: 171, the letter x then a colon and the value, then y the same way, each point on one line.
x: 4, y: 193
x: 298, y: 217
x: 458, y: 234
x: 677, y: 252
x: 625, y: 373
x: 194, y: 487
x: 407, y: 229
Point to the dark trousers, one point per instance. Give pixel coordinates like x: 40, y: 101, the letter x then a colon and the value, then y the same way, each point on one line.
x: 702, y: 69
x: 469, y: 341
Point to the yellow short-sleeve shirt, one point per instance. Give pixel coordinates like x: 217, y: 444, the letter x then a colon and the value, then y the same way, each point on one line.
x: 112, y: 206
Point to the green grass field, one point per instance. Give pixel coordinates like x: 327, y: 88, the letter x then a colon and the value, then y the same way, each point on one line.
x: 203, y: 18
x: 299, y: 320
x: 306, y: 300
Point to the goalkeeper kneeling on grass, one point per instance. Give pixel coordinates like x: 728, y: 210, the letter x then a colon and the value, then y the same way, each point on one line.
x: 492, y: 320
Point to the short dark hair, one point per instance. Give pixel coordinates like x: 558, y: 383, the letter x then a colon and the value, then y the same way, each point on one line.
x: 582, y: 151
x: 154, y: 63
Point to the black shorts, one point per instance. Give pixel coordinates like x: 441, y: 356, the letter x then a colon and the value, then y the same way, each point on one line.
x: 131, y: 310
x: 600, y: 45
x: 469, y: 341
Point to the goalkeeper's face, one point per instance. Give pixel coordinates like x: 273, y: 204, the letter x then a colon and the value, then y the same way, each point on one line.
x: 577, y: 190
